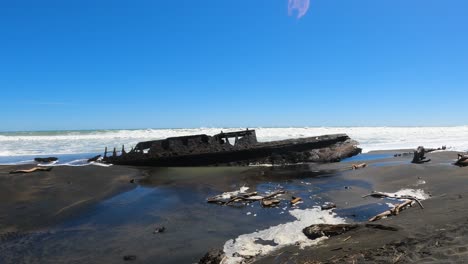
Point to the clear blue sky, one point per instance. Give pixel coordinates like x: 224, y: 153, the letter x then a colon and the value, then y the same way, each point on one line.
x: 146, y: 64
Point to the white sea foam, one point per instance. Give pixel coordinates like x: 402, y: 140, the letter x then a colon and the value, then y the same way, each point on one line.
x: 416, y: 193
x: 370, y: 138
x: 246, y: 246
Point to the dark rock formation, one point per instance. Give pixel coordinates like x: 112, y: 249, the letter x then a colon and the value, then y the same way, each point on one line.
x: 212, y: 257
x: 203, y: 150
x: 419, y: 157
x: 462, y: 160
x: 47, y: 160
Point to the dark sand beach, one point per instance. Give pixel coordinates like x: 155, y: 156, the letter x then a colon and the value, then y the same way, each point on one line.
x: 95, y: 215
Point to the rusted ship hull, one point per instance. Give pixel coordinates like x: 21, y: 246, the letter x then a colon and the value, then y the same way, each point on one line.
x: 203, y: 150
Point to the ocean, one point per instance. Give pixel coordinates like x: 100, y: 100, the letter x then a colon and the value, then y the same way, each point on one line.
x: 72, y: 146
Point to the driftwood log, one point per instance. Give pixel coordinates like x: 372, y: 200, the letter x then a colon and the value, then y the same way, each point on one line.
x: 32, y: 170
x: 404, y: 197
x: 408, y: 201
x: 320, y: 230
x: 394, y: 211
x: 245, y: 198
x: 419, y: 156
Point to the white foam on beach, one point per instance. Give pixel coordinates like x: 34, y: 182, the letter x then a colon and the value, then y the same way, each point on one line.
x: 370, y: 138
x: 416, y: 193
x: 245, y: 246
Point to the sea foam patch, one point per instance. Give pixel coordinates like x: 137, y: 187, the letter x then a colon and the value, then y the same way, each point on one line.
x: 416, y: 193
x: 251, y: 245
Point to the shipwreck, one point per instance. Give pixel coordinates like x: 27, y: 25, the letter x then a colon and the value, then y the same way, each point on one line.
x: 233, y: 149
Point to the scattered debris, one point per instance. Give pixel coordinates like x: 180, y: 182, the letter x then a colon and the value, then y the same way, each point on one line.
x: 46, y: 160
x: 129, y: 257
x: 402, y: 197
x: 244, y: 198
x: 32, y: 170
x: 295, y: 200
x: 359, y: 166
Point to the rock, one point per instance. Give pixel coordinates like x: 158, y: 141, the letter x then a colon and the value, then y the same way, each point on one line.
x: 212, y: 257
x: 132, y: 181
x: 47, y: 160
x: 419, y: 157
x: 129, y: 257
x: 159, y: 229
x: 320, y: 230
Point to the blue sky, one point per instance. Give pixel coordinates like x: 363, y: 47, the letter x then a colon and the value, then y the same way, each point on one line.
x: 149, y: 64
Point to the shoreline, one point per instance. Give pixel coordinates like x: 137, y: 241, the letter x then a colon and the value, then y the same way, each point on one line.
x: 43, y: 201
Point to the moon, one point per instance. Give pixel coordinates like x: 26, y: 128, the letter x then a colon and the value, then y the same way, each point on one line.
x: 300, y: 6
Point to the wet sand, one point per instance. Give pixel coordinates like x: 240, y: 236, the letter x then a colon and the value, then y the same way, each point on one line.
x: 435, y: 234
x: 31, y: 201
x: 94, y: 215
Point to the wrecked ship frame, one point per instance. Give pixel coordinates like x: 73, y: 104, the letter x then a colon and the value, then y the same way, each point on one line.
x: 234, y: 148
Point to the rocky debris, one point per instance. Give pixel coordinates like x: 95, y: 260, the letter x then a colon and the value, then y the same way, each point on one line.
x: 46, y: 160
x: 212, y: 257
x: 419, y: 156
x: 462, y: 160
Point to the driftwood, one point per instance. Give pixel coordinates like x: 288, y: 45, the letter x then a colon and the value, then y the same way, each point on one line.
x: 32, y: 170
x: 295, y: 200
x: 394, y: 211
x: 419, y: 157
x: 359, y: 166
x: 270, y: 202
x: 404, y: 197
x: 320, y: 230
x: 246, y: 198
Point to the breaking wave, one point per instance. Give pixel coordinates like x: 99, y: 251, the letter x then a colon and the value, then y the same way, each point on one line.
x: 370, y: 138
